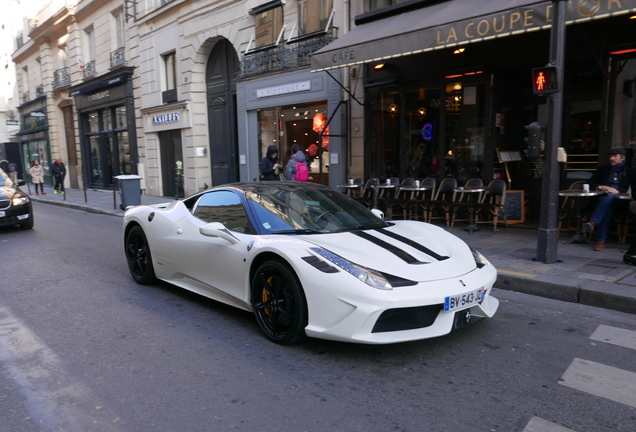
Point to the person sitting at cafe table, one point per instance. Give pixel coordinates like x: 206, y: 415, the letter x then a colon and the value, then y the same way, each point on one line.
x: 611, y: 179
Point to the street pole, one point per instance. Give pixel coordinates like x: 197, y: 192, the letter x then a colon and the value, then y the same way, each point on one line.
x: 548, y: 235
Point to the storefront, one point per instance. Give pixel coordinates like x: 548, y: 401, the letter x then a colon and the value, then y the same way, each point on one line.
x: 445, y: 94
x: 287, y: 110
x: 107, y: 127
x: 34, y: 138
x: 165, y: 127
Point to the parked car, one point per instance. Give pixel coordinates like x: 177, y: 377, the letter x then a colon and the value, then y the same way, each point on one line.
x: 310, y: 261
x: 15, y: 204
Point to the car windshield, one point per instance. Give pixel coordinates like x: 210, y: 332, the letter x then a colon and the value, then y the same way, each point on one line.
x: 306, y: 209
x: 5, y: 180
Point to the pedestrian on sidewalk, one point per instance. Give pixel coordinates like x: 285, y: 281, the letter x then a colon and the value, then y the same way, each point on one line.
x: 59, y: 172
x: 611, y: 179
x: 13, y: 171
x: 37, y: 176
x: 270, y: 165
x: 297, y: 156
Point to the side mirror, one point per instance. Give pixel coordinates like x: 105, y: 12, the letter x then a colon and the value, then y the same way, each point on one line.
x: 217, y: 229
x: 378, y: 213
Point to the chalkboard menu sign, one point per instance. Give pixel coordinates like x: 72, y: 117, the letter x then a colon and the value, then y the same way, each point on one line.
x: 514, y: 206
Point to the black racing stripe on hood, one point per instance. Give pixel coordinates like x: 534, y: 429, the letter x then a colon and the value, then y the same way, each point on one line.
x: 412, y: 243
x: 393, y: 249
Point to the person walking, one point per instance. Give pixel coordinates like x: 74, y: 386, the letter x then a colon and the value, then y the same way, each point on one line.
x: 37, y: 176
x: 298, y: 156
x: 59, y: 172
x: 270, y: 166
x: 13, y: 171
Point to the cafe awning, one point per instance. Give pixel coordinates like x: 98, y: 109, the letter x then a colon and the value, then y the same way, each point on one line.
x: 453, y: 23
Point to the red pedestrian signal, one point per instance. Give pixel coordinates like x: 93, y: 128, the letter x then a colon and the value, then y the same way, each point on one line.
x: 544, y: 80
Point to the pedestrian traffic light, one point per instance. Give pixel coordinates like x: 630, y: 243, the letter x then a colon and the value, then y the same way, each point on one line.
x: 534, y: 141
x: 544, y: 80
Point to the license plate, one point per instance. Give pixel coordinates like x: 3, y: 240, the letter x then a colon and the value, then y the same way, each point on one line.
x: 465, y: 300
x: 3, y: 214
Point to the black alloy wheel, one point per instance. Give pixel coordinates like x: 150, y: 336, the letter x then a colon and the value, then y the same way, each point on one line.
x: 138, y: 256
x: 279, y: 303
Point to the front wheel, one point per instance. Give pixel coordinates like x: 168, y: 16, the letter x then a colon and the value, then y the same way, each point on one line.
x: 138, y: 256
x: 279, y: 303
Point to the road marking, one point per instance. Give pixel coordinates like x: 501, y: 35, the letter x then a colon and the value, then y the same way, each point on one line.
x: 516, y: 273
x: 615, y: 336
x: 537, y: 424
x: 53, y: 398
x: 600, y: 380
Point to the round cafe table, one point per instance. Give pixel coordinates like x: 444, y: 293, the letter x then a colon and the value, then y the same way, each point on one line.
x: 577, y: 195
x: 411, y: 195
x: 349, y: 188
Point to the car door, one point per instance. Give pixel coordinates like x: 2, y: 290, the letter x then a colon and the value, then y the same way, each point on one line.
x: 214, y: 264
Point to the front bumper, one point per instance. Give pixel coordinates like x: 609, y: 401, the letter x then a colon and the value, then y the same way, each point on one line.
x: 16, y: 215
x: 414, y: 313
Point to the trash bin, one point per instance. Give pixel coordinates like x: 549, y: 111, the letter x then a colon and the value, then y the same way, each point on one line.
x: 130, y: 190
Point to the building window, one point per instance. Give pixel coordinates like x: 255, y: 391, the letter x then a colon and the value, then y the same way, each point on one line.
x: 268, y: 25
x: 169, y: 77
x: 313, y: 15
x: 371, y: 5
x: 89, y: 41
x: 119, y: 29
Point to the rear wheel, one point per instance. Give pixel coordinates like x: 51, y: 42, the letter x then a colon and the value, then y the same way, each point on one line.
x: 138, y: 256
x: 279, y: 303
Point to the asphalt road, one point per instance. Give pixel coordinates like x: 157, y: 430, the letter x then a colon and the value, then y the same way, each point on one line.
x: 84, y: 348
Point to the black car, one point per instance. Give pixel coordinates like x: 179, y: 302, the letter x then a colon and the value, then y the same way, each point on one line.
x: 15, y: 205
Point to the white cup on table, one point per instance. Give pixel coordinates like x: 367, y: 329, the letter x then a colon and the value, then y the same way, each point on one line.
x: 350, y: 181
x: 586, y: 188
x: 388, y: 182
x: 417, y: 183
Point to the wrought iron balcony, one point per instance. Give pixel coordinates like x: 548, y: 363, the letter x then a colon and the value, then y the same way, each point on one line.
x: 118, y: 57
x: 39, y: 90
x: 89, y: 69
x: 294, y: 54
x: 61, y: 78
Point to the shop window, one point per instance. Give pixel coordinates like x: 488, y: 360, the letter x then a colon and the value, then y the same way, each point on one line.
x: 170, y: 78
x: 297, y: 125
x: 313, y: 15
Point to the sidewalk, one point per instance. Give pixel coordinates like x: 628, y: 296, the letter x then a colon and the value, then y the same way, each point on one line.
x: 581, y: 275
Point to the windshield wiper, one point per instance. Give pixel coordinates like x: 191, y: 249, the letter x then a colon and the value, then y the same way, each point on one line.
x: 300, y: 231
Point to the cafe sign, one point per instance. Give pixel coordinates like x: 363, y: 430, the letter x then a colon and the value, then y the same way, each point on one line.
x: 422, y: 30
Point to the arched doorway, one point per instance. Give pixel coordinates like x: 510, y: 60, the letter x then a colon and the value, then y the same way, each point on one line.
x: 221, y: 75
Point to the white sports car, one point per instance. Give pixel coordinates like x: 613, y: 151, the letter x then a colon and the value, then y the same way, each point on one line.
x: 311, y: 261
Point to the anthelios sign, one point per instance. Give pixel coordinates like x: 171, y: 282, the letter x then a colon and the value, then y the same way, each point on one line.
x: 544, y: 80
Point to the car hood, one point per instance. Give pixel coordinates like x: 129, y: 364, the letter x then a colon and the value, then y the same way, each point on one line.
x: 7, y: 192
x: 408, y: 249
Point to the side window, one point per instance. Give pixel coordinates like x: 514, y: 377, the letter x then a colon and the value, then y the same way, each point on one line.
x: 222, y: 206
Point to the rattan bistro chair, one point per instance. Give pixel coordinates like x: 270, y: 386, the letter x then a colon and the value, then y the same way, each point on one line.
x: 441, y: 204
x: 491, y: 206
x: 462, y: 204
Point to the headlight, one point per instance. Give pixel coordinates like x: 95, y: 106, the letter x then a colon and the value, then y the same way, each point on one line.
x: 20, y: 201
x: 480, y: 260
x: 368, y: 276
